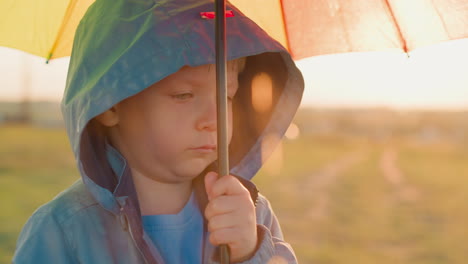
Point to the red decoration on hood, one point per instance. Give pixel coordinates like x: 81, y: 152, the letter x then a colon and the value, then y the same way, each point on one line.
x: 211, y: 15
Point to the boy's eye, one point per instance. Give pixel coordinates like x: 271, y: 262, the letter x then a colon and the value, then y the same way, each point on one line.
x: 182, y: 96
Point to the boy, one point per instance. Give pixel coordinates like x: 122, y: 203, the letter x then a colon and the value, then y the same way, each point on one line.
x: 140, y: 110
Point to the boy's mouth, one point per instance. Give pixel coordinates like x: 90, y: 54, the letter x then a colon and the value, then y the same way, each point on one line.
x: 205, y: 148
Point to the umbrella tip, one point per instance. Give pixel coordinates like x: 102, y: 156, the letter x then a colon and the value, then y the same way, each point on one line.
x: 48, y: 57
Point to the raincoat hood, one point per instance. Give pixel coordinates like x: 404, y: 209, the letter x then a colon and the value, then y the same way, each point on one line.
x: 122, y: 47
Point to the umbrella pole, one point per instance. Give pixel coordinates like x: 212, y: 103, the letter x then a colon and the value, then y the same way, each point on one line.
x: 221, y: 97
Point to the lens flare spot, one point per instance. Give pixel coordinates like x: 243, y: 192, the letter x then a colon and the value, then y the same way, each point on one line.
x: 293, y: 132
x: 262, y: 92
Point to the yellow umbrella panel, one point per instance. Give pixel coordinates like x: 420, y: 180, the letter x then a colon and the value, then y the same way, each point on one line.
x: 42, y: 27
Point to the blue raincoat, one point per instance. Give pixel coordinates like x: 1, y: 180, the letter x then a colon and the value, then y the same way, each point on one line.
x: 122, y: 47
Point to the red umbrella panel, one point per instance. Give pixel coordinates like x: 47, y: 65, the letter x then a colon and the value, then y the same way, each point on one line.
x: 318, y: 27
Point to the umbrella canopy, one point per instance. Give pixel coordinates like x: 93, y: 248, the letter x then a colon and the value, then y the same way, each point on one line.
x: 307, y: 27
x: 45, y: 28
x: 317, y: 27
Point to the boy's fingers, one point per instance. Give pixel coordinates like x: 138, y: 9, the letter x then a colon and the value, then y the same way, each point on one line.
x: 210, y: 179
x: 221, y: 221
x: 221, y: 205
x: 227, y: 185
x: 223, y: 236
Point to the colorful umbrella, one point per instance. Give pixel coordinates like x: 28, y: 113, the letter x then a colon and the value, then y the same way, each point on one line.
x: 307, y: 27
x: 310, y: 28
x: 317, y: 27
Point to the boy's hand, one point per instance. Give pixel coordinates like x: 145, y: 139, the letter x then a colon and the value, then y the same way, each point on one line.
x: 231, y: 216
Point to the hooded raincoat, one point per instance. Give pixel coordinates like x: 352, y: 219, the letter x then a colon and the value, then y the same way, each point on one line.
x: 122, y: 47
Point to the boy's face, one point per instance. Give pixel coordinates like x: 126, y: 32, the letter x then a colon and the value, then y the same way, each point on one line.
x: 168, y: 131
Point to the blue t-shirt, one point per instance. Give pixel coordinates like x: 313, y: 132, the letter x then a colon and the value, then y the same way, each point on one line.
x: 178, y: 237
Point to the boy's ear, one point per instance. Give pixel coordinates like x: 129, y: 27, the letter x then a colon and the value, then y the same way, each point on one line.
x: 109, y: 118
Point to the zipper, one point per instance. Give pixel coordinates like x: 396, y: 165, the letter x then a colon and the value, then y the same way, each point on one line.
x: 129, y: 226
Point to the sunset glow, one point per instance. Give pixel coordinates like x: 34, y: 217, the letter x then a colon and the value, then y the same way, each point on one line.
x: 432, y: 77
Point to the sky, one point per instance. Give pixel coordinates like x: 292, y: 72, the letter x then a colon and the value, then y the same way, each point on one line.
x: 434, y: 77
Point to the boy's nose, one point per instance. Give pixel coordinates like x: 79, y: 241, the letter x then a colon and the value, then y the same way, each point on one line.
x: 207, y: 119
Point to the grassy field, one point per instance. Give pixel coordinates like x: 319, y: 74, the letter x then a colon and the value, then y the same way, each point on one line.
x: 35, y: 165
x: 392, y: 202
x: 339, y: 199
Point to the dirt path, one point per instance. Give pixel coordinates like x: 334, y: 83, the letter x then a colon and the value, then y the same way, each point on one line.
x: 317, y: 185
x: 313, y: 192
x: 395, y: 177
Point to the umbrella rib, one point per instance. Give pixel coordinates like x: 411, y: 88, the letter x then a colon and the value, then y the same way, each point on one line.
x: 397, y: 26
x: 70, y: 7
x: 285, y: 28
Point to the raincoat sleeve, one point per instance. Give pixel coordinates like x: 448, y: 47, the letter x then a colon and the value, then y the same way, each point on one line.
x: 43, y: 240
x: 272, y: 248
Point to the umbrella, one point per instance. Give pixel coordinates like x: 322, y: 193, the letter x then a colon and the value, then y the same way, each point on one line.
x: 318, y: 27
x: 45, y: 28
x: 309, y: 28
x: 306, y: 27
